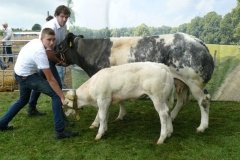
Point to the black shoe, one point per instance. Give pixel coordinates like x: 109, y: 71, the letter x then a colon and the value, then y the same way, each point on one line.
x: 6, y: 128
x: 35, y: 112
x: 66, y: 134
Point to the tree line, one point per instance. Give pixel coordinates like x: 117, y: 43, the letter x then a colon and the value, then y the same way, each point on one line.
x: 211, y: 28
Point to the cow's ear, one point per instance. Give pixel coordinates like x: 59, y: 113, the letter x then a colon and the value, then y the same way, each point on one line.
x: 70, y: 36
x: 81, y: 36
x: 70, y: 39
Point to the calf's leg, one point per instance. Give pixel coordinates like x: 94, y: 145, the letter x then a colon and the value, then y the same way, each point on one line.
x: 165, y: 120
x: 95, y: 123
x: 122, y: 111
x: 103, y: 105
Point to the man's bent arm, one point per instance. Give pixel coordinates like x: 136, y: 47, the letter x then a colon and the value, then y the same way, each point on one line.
x: 53, y: 83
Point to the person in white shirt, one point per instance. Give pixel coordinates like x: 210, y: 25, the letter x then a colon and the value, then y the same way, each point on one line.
x: 7, y: 44
x: 31, y: 59
x: 58, y: 24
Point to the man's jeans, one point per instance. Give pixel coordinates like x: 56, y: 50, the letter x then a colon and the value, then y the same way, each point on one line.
x: 35, y: 95
x: 61, y: 73
x: 37, y: 83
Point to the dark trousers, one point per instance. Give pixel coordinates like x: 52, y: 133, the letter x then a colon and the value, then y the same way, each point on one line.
x: 39, y: 84
x: 35, y: 94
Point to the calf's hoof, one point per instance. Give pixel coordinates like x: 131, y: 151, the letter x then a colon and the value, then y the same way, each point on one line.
x: 159, y: 142
x: 201, y: 129
x: 93, y: 126
x: 98, y: 137
x: 118, y: 119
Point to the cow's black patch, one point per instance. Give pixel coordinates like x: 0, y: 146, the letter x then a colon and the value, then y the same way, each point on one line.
x: 181, y: 52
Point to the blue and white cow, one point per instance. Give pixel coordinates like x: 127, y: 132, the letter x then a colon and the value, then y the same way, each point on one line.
x: 187, y: 57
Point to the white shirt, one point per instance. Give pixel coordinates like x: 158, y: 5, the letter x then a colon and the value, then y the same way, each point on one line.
x: 31, y: 58
x: 7, y: 35
x: 60, y: 32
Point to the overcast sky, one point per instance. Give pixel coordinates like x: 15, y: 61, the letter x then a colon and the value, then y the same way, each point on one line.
x: 98, y: 14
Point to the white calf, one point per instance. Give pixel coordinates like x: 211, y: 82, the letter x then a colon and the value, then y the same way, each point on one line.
x: 127, y: 81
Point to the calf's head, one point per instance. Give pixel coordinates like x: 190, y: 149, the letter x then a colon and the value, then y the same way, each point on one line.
x: 70, y: 107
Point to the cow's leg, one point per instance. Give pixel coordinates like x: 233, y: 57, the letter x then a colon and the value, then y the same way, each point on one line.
x: 103, y: 105
x: 122, y: 111
x: 165, y: 120
x: 203, y: 99
x: 182, y: 94
x: 95, y: 123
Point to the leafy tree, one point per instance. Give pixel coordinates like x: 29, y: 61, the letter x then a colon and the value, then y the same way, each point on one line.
x: 116, y: 32
x: 164, y: 30
x: 142, y: 30
x: 174, y: 30
x: 195, y: 27
x: 235, y: 22
x: 211, y: 28
x: 36, y: 27
x: 183, y: 28
x: 226, y: 29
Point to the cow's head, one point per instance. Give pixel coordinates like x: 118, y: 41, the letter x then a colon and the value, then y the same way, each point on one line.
x: 65, y: 47
x: 89, y: 54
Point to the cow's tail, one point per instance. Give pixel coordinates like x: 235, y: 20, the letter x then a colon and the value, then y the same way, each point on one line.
x: 171, y: 98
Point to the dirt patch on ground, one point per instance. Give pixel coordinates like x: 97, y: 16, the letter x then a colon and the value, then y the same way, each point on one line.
x: 230, y: 90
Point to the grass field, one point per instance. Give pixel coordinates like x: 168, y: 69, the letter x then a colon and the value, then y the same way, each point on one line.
x: 135, y: 137
x: 131, y: 139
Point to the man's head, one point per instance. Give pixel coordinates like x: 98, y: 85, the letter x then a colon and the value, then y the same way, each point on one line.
x: 62, y: 13
x: 48, y: 38
x: 5, y: 25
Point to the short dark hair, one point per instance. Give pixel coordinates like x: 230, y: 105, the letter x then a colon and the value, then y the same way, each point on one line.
x: 49, y: 18
x: 47, y: 31
x: 62, y: 9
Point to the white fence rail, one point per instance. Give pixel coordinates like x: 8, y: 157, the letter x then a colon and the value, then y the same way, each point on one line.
x: 7, y: 79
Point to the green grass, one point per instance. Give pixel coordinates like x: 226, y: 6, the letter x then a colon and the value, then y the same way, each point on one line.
x: 135, y: 137
x: 131, y: 139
